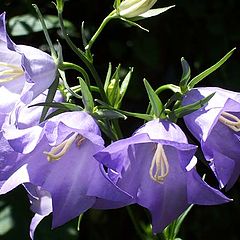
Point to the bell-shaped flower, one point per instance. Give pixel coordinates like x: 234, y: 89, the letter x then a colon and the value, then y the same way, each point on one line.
x: 217, y: 127
x: 27, y: 117
x: 25, y: 72
x: 157, y: 167
x: 58, y: 158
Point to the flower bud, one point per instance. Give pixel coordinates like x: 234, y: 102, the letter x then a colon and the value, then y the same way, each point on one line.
x: 134, y: 8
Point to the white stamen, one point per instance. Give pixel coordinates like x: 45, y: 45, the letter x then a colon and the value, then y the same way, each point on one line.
x: 159, y: 167
x: 230, y: 121
x: 13, y: 72
x: 57, y: 152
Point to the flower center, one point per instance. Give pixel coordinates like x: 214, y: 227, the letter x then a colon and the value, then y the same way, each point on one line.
x: 230, y: 121
x: 159, y: 167
x: 10, y: 73
x: 58, y: 151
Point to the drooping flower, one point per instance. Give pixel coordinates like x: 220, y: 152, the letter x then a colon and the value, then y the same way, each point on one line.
x: 25, y: 72
x: 27, y: 117
x: 156, y: 166
x: 217, y: 127
x: 58, y: 158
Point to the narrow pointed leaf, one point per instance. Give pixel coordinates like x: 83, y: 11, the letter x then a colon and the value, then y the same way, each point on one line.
x: 154, y: 99
x: 50, y: 96
x: 108, y: 114
x: 86, y: 96
x: 208, y: 71
x: 185, y: 110
x: 124, y: 85
x: 186, y: 75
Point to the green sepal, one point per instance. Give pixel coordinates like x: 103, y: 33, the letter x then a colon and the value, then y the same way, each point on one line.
x: 186, y: 75
x: 208, y: 71
x: 185, y: 110
x: 133, y: 24
x: 124, y: 86
x: 113, y: 92
x: 87, y: 98
x: 116, y: 4
x: 113, y: 89
x: 49, y: 99
x: 108, y: 77
x: 155, y: 101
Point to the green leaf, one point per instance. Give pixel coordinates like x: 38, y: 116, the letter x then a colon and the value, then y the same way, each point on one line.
x: 26, y: 24
x: 154, y: 99
x: 50, y: 97
x: 63, y: 106
x: 185, y: 110
x: 208, y: 71
x: 86, y: 96
x: 108, y: 114
x: 186, y: 75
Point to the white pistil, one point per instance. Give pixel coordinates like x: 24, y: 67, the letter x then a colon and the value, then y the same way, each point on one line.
x: 57, y: 152
x: 230, y: 121
x: 11, y: 73
x: 159, y: 167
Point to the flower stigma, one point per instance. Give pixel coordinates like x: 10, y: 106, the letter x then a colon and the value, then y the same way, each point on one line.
x: 230, y: 121
x: 11, y: 72
x: 57, y: 152
x: 159, y: 167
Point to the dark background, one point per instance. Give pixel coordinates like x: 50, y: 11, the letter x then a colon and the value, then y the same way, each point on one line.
x: 200, y: 31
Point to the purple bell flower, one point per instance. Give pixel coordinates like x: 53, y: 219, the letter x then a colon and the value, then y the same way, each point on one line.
x: 217, y: 127
x: 58, y: 158
x: 25, y: 72
x: 157, y: 167
x: 27, y: 117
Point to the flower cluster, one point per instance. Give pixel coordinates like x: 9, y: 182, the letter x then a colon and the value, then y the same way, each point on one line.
x: 65, y: 166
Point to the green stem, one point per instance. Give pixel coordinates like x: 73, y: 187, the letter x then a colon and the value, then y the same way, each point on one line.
x: 84, y: 59
x: 97, y: 33
x: 66, y: 65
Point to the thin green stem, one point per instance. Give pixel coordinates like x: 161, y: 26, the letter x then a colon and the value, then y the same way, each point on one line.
x: 97, y: 33
x: 85, y: 60
x: 67, y: 65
